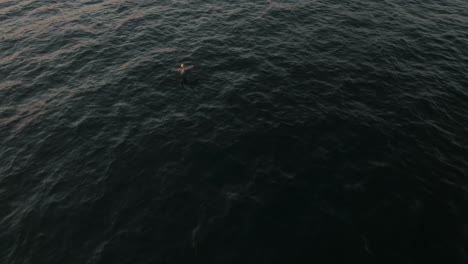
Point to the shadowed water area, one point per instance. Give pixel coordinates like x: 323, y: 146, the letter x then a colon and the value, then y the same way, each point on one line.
x: 308, y: 132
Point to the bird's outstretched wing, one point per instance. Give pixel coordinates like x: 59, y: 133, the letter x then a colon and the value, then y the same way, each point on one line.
x: 189, y: 67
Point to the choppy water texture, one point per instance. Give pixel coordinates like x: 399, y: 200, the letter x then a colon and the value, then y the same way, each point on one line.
x: 326, y: 131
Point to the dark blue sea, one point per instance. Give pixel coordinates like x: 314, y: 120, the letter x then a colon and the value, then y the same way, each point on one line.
x: 306, y: 132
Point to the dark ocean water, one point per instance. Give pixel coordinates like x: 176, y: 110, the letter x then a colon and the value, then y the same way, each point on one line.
x: 309, y: 132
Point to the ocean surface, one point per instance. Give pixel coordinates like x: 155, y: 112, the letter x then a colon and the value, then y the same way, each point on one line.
x: 307, y: 132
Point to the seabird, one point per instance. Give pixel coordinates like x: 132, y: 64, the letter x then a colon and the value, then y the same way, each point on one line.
x: 183, y: 68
